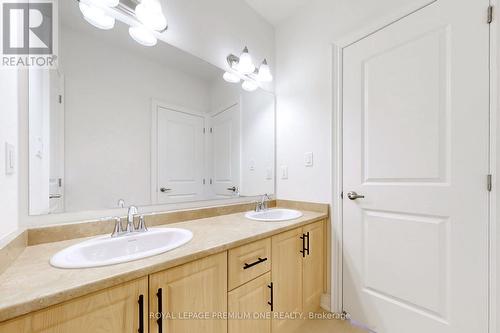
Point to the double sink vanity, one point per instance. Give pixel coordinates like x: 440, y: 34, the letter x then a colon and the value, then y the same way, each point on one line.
x: 220, y: 269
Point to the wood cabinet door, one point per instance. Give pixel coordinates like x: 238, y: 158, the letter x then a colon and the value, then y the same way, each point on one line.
x: 287, y: 278
x: 248, y: 307
x: 313, y: 269
x: 114, y: 310
x: 191, y: 297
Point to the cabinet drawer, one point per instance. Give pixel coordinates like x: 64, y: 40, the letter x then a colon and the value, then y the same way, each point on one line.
x: 247, y: 262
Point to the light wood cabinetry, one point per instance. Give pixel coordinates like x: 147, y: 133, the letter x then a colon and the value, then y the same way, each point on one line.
x: 114, y: 310
x: 287, y: 277
x: 249, y: 307
x: 196, y: 289
x: 238, y: 291
x: 313, y: 269
x: 297, y: 274
x: 248, y: 262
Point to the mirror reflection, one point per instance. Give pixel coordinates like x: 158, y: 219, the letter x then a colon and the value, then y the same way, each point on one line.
x: 118, y: 123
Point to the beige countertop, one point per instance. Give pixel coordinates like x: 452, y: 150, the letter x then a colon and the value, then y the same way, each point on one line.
x: 30, y: 283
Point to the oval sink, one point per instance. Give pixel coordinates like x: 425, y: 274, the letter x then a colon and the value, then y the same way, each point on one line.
x: 274, y: 215
x: 105, y: 250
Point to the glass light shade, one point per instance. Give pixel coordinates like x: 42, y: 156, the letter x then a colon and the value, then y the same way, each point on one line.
x: 149, y: 12
x: 245, y: 65
x: 142, y: 35
x: 230, y: 77
x: 265, y: 73
x: 249, y: 86
x: 97, y: 17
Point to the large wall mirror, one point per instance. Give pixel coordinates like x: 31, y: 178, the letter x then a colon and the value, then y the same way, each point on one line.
x: 118, y: 123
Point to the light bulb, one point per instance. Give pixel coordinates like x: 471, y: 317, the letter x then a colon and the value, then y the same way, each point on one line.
x: 230, y: 77
x: 142, y: 35
x: 245, y: 65
x: 97, y: 17
x: 149, y: 12
x: 249, y: 86
x: 265, y: 73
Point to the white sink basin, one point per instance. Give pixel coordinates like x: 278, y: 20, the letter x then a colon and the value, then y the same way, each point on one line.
x: 105, y: 250
x: 274, y: 215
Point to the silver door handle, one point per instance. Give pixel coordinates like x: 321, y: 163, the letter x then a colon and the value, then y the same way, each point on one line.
x: 353, y: 196
x: 232, y: 188
x: 55, y: 196
x: 165, y: 190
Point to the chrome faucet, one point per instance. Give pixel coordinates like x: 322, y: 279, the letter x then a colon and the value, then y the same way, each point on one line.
x: 263, y: 203
x: 132, y: 212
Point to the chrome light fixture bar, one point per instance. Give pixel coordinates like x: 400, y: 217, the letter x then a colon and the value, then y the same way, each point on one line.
x: 242, y: 68
x: 146, y: 21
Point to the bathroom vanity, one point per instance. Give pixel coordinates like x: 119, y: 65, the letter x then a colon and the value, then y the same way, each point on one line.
x: 233, y: 268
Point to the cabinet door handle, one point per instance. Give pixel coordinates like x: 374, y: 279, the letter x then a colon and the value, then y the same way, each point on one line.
x: 141, y: 314
x: 308, y: 242
x: 303, y: 251
x: 159, y: 321
x: 261, y: 260
x: 271, y: 302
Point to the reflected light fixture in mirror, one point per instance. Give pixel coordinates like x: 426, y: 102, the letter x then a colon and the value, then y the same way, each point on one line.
x: 97, y: 17
x: 231, y: 77
x: 249, y: 86
x: 245, y: 64
x: 145, y: 20
x: 242, y: 68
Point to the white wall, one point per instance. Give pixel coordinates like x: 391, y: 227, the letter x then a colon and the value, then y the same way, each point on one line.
x: 257, y: 143
x: 108, y: 119
x: 213, y: 29
x: 304, y: 88
x: 8, y: 133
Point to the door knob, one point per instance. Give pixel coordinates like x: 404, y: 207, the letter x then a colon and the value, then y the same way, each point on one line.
x: 232, y: 188
x: 353, y: 196
x: 165, y: 190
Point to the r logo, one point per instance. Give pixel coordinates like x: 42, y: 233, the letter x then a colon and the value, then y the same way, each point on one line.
x: 27, y: 28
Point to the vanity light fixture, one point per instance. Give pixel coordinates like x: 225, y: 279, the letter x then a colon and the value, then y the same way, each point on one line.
x: 264, y: 74
x: 231, y: 77
x: 242, y: 68
x: 142, y: 35
x: 245, y: 64
x: 250, y: 85
x: 97, y: 16
x: 146, y: 20
x: 149, y: 12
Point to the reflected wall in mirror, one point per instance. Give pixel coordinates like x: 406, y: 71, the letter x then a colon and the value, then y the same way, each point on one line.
x: 149, y: 126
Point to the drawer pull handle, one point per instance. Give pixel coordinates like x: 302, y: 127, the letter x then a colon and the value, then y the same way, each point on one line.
x: 159, y: 321
x: 261, y: 260
x: 141, y: 314
x: 271, y: 303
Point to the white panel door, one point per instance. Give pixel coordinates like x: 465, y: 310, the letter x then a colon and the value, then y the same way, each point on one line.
x: 180, y: 156
x: 226, y: 152
x: 415, y: 144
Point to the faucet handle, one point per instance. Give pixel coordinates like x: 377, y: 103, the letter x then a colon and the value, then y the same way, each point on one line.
x: 142, y: 224
x: 118, y: 230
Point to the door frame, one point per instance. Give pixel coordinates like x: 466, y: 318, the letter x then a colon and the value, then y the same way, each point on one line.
x: 338, y: 46
x: 155, y: 104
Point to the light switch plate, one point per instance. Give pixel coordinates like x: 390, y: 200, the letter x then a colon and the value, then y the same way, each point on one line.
x: 269, y: 174
x: 10, y: 159
x: 308, y: 159
x: 284, y: 172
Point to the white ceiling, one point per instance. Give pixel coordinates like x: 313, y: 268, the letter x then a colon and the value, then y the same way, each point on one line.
x: 274, y: 11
